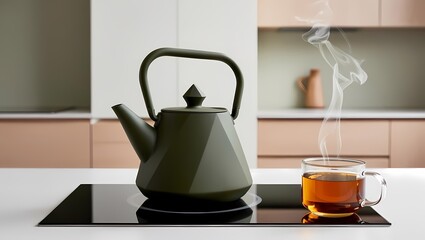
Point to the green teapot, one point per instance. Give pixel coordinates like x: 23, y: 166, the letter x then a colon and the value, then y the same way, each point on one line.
x: 192, y: 152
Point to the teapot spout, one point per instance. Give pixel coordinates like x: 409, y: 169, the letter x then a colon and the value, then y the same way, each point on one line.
x: 141, y: 135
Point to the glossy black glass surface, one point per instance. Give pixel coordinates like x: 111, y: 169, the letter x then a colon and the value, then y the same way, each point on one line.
x: 263, y: 205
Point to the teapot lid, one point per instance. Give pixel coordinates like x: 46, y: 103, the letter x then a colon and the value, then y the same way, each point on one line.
x: 194, y: 98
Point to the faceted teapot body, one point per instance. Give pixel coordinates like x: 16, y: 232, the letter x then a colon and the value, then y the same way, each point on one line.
x: 196, y: 156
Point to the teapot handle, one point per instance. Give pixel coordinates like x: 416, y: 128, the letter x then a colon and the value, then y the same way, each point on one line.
x: 188, y: 53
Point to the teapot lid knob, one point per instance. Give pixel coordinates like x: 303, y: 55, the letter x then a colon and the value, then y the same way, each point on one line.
x: 194, y: 97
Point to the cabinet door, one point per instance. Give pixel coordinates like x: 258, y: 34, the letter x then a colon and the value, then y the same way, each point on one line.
x: 344, y: 13
x: 229, y: 27
x: 300, y: 138
x: 403, y: 13
x: 408, y: 143
x: 122, y: 34
x: 45, y: 143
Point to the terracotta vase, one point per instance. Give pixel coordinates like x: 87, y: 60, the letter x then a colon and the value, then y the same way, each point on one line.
x: 312, y: 89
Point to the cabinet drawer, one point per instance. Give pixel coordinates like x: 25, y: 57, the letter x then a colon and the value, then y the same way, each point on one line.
x: 114, y: 155
x: 407, y: 143
x: 295, y: 162
x: 110, y: 131
x: 300, y: 138
x: 45, y: 143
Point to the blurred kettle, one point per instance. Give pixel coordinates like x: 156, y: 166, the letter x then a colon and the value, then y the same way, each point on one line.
x: 312, y: 89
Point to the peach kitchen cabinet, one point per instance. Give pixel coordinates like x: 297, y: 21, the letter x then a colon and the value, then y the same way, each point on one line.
x: 402, y: 13
x: 45, y: 143
x: 284, y: 143
x: 111, y: 147
x: 345, y: 13
x: 408, y: 143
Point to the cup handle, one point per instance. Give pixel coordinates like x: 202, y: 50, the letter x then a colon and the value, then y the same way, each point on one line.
x: 381, y: 180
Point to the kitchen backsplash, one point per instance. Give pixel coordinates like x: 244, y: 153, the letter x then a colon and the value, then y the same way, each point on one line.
x: 394, y: 60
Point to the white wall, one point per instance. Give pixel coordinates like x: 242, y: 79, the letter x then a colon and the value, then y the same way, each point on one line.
x: 124, y: 32
x: 229, y: 27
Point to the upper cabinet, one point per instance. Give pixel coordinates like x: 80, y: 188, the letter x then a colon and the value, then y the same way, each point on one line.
x: 403, y: 13
x: 343, y: 13
x: 45, y: 54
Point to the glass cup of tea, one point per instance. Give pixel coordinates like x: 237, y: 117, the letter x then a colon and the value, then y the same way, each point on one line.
x: 335, y: 187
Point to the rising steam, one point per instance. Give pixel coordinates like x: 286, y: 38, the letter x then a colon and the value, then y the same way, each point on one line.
x: 346, y: 70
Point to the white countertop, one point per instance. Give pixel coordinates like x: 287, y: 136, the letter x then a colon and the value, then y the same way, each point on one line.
x: 28, y: 195
x: 305, y: 113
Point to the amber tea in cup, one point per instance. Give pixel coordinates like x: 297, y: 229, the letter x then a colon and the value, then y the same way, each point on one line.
x: 335, y: 187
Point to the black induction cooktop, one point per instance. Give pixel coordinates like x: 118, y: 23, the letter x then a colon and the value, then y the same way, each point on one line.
x: 263, y: 205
